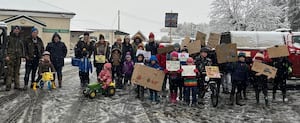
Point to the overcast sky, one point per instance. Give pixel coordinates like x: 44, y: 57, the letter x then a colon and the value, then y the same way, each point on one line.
x: 145, y: 15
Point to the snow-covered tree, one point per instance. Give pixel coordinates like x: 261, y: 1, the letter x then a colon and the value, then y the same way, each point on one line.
x: 188, y: 29
x: 260, y: 15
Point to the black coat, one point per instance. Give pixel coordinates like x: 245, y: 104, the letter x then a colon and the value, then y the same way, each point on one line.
x: 127, y: 48
x: 33, y: 49
x: 80, y: 46
x: 152, y: 47
x: 58, y: 52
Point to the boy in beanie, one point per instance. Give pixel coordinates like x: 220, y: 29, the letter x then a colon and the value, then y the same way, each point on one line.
x: 190, y: 85
x: 140, y: 89
x: 174, y: 79
x: 260, y: 81
x: 240, y: 73
x: 154, y: 64
x: 127, y: 70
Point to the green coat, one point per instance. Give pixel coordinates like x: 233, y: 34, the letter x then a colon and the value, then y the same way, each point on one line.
x: 15, y: 47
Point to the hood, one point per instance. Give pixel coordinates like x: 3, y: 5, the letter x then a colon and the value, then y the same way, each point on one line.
x: 153, y: 58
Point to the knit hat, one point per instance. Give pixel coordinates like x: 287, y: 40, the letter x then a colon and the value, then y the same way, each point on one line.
x: 33, y: 29
x: 46, y: 53
x: 190, y: 60
x: 242, y: 54
x: 174, y: 54
x: 86, y: 33
x: 128, y: 55
x: 259, y: 56
x: 204, y: 49
x: 17, y: 27
x: 161, y: 46
x: 153, y: 58
x: 151, y: 35
x: 141, y: 45
x: 177, y: 45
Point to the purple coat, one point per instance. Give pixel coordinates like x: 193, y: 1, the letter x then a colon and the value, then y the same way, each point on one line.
x: 128, y: 67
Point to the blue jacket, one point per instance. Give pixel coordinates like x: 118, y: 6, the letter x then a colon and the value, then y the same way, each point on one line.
x: 85, y: 65
x: 156, y: 65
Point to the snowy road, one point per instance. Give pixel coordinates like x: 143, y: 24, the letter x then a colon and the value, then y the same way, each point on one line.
x: 67, y: 105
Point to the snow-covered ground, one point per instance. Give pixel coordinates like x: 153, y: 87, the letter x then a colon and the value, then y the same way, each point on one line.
x: 68, y: 105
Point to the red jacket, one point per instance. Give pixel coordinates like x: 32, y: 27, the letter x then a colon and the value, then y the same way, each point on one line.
x: 162, y: 59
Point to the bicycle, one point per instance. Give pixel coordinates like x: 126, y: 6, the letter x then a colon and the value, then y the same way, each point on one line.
x: 210, y: 85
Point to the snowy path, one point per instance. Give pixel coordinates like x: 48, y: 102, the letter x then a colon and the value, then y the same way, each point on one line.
x: 67, y: 105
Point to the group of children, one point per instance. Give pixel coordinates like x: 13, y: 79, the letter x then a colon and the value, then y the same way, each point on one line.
x: 184, y: 87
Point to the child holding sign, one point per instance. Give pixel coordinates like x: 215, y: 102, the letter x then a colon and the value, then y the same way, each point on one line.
x: 190, y: 84
x: 154, y: 64
x: 174, y: 78
x: 140, y: 89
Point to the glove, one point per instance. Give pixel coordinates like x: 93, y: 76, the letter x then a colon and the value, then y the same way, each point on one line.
x: 166, y: 71
x: 196, y: 71
x: 179, y: 71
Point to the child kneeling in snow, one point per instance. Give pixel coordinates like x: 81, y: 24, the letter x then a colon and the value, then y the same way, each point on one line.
x: 105, y: 75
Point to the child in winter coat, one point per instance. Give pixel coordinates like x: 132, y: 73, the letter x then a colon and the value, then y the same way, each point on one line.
x: 116, y: 65
x: 140, y: 89
x: 154, y: 64
x: 190, y: 84
x: 174, y: 79
x: 240, y: 74
x: 85, y: 66
x: 162, y: 59
x: 45, y: 65
x: 105, y: 75
x: 260, y: 81
x: 128, y: 69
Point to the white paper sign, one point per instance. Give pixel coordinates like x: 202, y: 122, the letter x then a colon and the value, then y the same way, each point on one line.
x: 173, y: 65
x: 183, y: 56
x: 147, y: 54
x: 188, y: 70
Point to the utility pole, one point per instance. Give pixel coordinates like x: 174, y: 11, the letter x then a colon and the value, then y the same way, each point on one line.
x: 119, y: 20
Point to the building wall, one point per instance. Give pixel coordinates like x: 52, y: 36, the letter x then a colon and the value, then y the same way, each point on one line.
x: 60, y: 25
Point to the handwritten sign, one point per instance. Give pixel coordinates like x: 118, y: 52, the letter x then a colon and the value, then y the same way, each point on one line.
x: 202, y: 37
x: 183, y: 56
x: 147, y: 54
x: 188, y: 70
x: 148, y: 77
x: 264, y: 69
x: 212, y: 71
x: 173, y: 65
x: 226, y: 53
x: 213, y: 40
x: 194, y: 47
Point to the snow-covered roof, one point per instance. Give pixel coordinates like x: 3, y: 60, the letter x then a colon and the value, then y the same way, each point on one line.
x: 7, y: 20
x: 85, y: 25
x: 31, y: 6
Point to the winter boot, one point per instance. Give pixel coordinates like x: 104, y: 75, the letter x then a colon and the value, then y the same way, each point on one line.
x: 238, y: 97
x: 257, y: 98
x: 231, y: 99
x: 284, y: 98
x: 53, y: 84
x: 175, y: 97
x: 274, y: 97
x: 34, y: 86
x: 245, y: 95
x: 266, y: 101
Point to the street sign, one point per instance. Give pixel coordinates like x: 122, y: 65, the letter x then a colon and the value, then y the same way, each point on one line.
x: 171, y: 19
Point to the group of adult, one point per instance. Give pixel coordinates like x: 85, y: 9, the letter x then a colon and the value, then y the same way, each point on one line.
x: 31, y: 50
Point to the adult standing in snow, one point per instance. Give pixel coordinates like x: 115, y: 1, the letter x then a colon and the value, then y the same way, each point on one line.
x: 58, y: 51
x: 101, y: 53
x: 135, y: 44
x: 84, y: 46
x: 126, y: 47
x: 152, y: 45
x: 34, y: 49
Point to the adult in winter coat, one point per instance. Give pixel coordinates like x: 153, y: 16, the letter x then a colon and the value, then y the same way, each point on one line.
x: 136, y: 42
x: 101, y: 54
x: 34, y: 48
x: 126, y: 47
x: 58, y: 51
x: 14, y: 51
x: 84, y: 45
x: 152, y: 45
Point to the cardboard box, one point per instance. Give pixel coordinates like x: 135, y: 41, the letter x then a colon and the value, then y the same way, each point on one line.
x: 213, y: 40
x: 280, y: 51
x: 226, y: 53
x: 202, y: 37
x: 188, y: 70
x: 185, y: 42
x: 173, y: 65
x: 264, y: 69
x: 212, y: 71
x: 148, y: 77
x: 165, y: 49
x: 194, y: 47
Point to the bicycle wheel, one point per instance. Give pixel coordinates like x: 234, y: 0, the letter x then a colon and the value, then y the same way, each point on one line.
x: 214, y: 95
